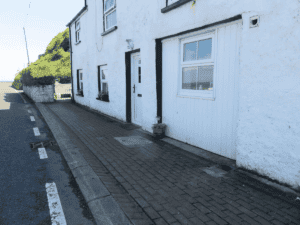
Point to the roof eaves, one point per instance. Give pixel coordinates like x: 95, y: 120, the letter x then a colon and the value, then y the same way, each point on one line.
x: 77, y: 15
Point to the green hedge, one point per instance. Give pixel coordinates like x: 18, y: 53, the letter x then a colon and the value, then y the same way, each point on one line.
x: 29, y: 80
x: 44, y: 71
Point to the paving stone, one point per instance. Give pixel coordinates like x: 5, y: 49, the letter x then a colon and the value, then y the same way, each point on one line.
x: 160, y: 221
x: 167, y: 217
x: 165, y: 180
x: 151, y: 213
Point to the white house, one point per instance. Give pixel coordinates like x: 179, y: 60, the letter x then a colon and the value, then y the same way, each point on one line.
x: 223, y: 76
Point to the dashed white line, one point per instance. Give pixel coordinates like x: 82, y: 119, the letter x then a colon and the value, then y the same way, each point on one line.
x: 36, y: 131
x: 42, y: 153
x: 56, y: 211
x: 32, y: 118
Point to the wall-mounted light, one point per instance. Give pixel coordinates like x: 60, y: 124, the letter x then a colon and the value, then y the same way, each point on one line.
x: 130, y: 44
x: 254, y: 21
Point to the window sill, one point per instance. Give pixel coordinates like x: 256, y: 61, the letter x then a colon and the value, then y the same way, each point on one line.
x: 109, y: 31
x: 174, y: 5
x: 80, y: 95
x: 102, y: 100
x: 77, y: 43
x: 196, y: 97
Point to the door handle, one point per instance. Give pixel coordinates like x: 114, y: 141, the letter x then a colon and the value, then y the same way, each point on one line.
x: 134, y: 88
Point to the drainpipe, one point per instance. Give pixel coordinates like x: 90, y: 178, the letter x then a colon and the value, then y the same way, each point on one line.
x: 70, y: 43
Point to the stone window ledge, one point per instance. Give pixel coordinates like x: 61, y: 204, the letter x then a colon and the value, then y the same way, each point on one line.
x: 109, y: 31
x: 102, y: 100
x: 174, y: 5
x: 77, y: 43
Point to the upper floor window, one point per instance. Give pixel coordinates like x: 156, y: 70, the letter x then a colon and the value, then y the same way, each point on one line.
x: 169, y: 2
x: 110, y: 14
x: 77, y: 31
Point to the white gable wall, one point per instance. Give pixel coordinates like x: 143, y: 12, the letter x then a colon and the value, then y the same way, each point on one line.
x: 267, y: 98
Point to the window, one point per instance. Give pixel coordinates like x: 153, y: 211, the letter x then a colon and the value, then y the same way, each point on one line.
x: 173, y: 4
x: 197, y: 66
x: 169, y: 2
x: 79, y: 82
x: 103, y: 83
x: 110, y: 14
x: 77, y: 31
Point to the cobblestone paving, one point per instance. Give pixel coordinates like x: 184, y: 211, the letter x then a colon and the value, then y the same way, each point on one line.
x: 160, y: 184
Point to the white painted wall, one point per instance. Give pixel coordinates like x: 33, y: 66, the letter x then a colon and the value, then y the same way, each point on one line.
x: 268, y: 133
x: 268, y: 97
x: 206, y: 123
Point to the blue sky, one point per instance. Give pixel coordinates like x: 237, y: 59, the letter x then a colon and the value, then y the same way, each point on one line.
x: 43, y: 20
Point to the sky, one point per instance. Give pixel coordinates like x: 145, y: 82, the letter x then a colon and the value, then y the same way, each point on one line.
x: 42, y: 20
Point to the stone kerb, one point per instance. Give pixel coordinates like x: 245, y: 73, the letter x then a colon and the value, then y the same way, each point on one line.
x: 40, y: 93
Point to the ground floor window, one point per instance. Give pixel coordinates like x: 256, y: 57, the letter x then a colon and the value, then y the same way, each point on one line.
x: 80, y: 82
x: 103, y: 93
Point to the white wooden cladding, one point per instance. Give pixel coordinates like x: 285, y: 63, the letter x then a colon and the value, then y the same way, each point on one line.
x: 210, y: 125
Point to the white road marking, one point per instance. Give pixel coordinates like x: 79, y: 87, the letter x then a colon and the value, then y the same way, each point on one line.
x: 29, y: 110
x: 32, y: 118
x: 42, y: 153
x: 36, y: 131
x: 56, y: 211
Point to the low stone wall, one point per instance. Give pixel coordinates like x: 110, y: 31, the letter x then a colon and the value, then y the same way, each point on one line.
x: 40, y: 94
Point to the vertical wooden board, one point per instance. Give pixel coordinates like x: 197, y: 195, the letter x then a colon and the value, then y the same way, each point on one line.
x: 230, y: 92
x: 231, y: 122
x: 218, y: 111
x: 225, y: 86
x: 236, y: 88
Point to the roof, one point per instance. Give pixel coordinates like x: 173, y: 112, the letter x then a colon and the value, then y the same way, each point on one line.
x: 77, y: 15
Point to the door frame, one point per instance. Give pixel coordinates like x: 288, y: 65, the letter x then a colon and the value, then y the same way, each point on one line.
x: 135, y: 57
x: 128, y: 83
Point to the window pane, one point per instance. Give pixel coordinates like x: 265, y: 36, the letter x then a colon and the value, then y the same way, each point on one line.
x: 205, y: 78
x: 190, y: 51
x: 189, y: 78
x: 105, y: 87
x: 111, y: 19
x: 81, y: 85
x: 204, y: 49
x: 80, y: 76
x: 108, y: 4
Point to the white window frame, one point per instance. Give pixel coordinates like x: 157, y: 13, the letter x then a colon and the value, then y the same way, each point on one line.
x: 77, y: 31
x: 210, y: 94
x: 108, y: 12
x: 170, y: 2
x: 106, y: 80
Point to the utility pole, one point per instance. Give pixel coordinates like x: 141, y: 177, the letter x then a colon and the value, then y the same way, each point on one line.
x: 26, y: 45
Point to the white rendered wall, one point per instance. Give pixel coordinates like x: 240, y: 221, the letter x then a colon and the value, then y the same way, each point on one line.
x: 268, y: 99
x: 268, y: 133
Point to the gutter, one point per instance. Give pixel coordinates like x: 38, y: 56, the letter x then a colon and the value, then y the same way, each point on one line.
x: 71, y: 63
x: 77, y: 15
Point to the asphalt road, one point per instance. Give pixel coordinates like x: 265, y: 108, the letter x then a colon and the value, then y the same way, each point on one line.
x: 24, y: 197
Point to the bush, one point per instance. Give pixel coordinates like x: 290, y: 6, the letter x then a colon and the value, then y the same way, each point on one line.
x: 29, y: 80
x: 55, y: 64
